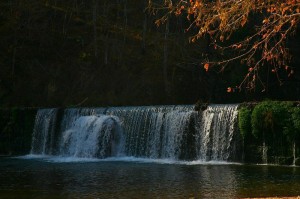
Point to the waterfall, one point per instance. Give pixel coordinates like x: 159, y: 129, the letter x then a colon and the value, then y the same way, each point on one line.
x: 72, y: 114
x: 92, y: 136
x: 43, y: 132
x: 80, y: 133
x: 215, y: 135
x: 264, y: 153
x: 171, y: 131
x: 156, y: 132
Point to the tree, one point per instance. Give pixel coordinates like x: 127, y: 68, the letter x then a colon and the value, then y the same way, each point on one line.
x: 274, y: 21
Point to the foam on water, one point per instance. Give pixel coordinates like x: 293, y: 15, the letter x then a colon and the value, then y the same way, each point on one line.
x: 58, y: 159
x: 131, y: 159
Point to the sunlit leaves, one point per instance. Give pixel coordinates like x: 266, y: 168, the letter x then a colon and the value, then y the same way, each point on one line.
x: 206, y: 67
x: 266, y: 43
x: 244, y: 21
x: 229, y: 90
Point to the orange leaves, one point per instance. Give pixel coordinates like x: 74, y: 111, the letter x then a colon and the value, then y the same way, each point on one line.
x: 179, y: 10
x: 206, y: 67
x: 219, y: 20
x: 288, y: 70
x: 265, y: 35
x: 244, y: 21
x: 284, y: 10
x: 271, y: 10
x: 197, y: 4
x: 266, y: 21
x: 291, y: 73
x: 229, y: 90
x: 292, y: 2
x: 237, y: 46
x: 286, y: 67
x: 222, y: 38
x: 278, y: 27
x: 232, y: 90
x: 193, y: 39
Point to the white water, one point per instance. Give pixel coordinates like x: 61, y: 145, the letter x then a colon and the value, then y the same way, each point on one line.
x: 166, y: 133
x: 154, y: 132
x: 160, y: 133
x: 264, y: 153
x: 70, y: 116
x: 215, y: 133
x: 92, y: 136
x: 61, y: 159
x: 43, y: 132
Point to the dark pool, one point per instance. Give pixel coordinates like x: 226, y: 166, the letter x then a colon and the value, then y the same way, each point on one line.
x: 42, y: 178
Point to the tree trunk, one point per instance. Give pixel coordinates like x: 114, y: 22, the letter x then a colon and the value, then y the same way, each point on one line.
x: 165, y: 63
x: 144, y: 5
x: 106, y: 43
x: 95, y: 11
x: 144, y: 34
x: 125, y: 21
x: 294, y: 153
x: 106, y: 40
x: 13, y: 62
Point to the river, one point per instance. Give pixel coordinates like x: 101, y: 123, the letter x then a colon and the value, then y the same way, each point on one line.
x: 127, y: 177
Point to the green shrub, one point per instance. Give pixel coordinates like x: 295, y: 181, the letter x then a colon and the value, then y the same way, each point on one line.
x: 295, y: 115
x: 270, y: 117
x: 272, y: 124
x: 244, y: 121
x: 258, y: 116
x: 296, y: 118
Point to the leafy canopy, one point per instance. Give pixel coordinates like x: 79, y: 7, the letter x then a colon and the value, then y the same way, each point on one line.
x: 274, y: 21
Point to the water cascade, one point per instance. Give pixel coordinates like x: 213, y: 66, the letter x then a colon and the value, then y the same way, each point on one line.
x: 264, y: 153
x: 92, y: 136
x: 216, y: 133
x: 156, y: 132
x: 44, y: 131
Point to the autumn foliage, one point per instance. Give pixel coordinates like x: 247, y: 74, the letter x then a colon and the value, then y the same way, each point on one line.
x: 206, y: 67
x: 274, y: 22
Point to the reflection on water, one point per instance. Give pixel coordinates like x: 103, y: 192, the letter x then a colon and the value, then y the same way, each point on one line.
x: 36, y: 178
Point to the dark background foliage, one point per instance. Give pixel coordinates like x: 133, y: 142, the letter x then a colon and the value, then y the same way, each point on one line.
x: 109, y: 53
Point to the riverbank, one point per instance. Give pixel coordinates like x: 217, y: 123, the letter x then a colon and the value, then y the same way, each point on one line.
x: 296, y: 197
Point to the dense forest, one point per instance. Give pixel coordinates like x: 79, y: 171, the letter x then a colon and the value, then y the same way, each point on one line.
x: 111, y: 53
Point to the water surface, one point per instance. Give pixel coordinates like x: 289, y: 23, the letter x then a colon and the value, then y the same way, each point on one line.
x: 142, y: 178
